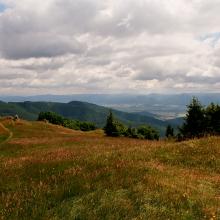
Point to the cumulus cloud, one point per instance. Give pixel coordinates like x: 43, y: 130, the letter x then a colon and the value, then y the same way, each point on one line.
x: 83, y: 46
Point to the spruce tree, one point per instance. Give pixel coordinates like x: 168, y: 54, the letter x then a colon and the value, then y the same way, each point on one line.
x: 109, y: 127
x: 169, y: 131
x: 212, y: 114
x: 114, y: 128
x: 195, y: 123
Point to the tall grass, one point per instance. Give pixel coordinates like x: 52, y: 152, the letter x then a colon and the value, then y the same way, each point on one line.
x: 49, y: 172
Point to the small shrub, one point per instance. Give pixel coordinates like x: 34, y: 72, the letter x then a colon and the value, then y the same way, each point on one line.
x: 54, y: 118
x: 148, y: 133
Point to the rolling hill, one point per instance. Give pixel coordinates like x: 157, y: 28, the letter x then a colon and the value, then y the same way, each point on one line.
x: 50, y: 172
x: 164, y: 106
x: 82, y: 111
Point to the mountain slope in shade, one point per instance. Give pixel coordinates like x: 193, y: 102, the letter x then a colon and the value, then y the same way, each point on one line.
x: 164, y: 106
x: 78, y: 110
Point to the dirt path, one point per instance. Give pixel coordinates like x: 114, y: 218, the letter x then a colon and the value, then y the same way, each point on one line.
x: 10, y: 134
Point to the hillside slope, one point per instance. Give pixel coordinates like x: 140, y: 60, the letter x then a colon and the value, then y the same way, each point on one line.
x: 49, y: 172
x: 165, y: 106
x: 77, y: 110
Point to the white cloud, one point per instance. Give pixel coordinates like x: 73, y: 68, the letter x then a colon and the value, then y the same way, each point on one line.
x: 142, y: 46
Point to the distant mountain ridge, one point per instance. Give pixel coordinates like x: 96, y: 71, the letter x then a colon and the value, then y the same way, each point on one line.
x: 163, y: 106
x: 117, y: 99
x: 82, y: 111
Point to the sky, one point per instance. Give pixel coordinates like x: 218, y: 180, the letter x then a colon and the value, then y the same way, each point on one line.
x: 111, y: 46
x: 2, y: 7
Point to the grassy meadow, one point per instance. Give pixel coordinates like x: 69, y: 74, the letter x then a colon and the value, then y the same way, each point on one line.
x: 50, y: 172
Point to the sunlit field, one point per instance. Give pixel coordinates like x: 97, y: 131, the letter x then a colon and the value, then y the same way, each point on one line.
x: 49, y: 172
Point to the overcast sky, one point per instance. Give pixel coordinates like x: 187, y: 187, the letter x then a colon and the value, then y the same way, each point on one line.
x: 109, y: 46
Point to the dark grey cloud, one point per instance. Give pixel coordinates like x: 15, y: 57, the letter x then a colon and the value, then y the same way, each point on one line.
x: 28, y: 45
x: 13, y: 76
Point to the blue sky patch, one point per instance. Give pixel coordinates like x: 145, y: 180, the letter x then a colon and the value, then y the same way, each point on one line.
x: 2, y: 7
x: 213, y: 36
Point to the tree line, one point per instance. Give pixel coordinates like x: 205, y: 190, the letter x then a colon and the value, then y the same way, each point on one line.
x: 57, y: 119
x: 199, y: 121
x: 112, y: 128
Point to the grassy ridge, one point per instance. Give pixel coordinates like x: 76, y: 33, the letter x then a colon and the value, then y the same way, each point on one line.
x: 49, y: 172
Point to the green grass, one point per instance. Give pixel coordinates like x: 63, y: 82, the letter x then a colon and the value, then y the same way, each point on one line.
x: 3, y: 138
x: 49, y: 172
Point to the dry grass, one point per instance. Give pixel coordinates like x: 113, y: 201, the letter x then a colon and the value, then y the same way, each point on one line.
x: 50, y: 172
x: 3, y: 130
x: 5, y: 134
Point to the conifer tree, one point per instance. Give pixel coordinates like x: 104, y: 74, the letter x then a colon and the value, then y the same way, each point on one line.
x: 113, y: 127
x: 169, y: 131
x: 212, y: 114
x: 195, y: 123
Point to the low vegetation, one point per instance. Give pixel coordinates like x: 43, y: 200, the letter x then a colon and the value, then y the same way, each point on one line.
x: 114, y: 128
x: 57, y: 119
x: 51, y: 172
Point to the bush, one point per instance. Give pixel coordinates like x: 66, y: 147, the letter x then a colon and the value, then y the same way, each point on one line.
x: 131, y: 132
x: 148, y: 133
x: 51, y: 117
x: 71, y: 124
x: 86, y: 126
x: 54, y: 118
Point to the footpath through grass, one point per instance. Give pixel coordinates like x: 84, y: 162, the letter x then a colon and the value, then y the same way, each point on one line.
x: 5, y: 134
x: 49, y: 172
